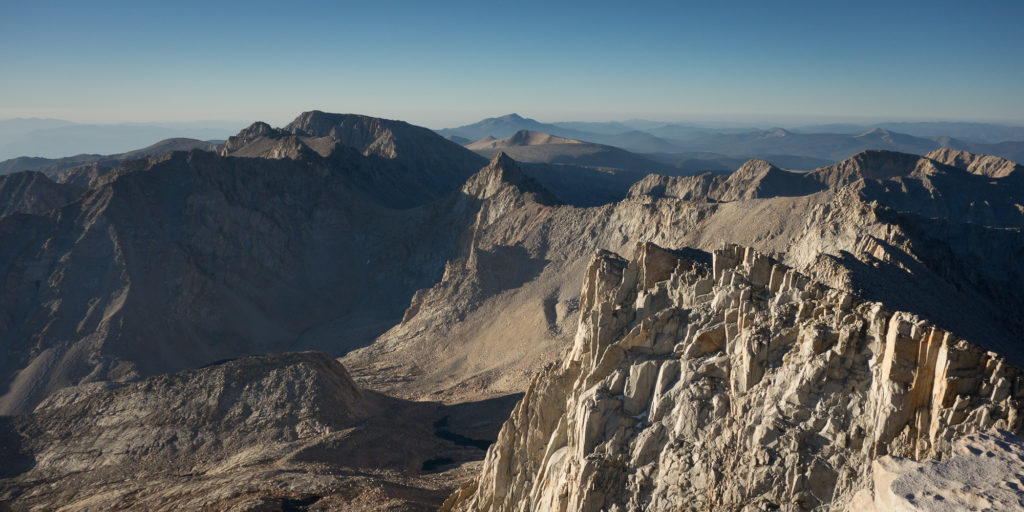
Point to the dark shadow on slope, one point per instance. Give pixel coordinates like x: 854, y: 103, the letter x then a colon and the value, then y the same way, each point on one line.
x: 458, y: 439
x: 506, y: 267
x: 435, y: 464
x: 691, y: 254
x: 470, y: 428
x: 298, y: 504
x: 583, y: 186
x: 968, y: 280
x: 475, y: 424
x: 13, y: 460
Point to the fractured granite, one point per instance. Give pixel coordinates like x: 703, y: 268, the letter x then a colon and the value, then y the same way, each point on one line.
x: 778, y: 392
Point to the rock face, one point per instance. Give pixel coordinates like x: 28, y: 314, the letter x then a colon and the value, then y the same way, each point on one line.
x: 950, y: 186
x: 503, y: 175
x: 242, y: 256
x: 32, y: 192
x: 754, y: 179
x: 982, y: 165
x: 531, y: 258
x: 393, y: 163
x: 931, y: 188
x: 744, y: 385
x: 477, y: 272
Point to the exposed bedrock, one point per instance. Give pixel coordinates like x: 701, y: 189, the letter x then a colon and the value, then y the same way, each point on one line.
x: 744, y: 386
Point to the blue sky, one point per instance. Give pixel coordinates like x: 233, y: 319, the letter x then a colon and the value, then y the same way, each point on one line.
x: 448, y: 63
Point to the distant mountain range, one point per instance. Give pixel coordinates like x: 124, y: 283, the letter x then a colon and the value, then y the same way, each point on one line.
x: 607, y: 156
x: 536, y: 147
x: 56, y: 138
x: 970, y: 132
x: 803, y: 148
x: 80, y: 169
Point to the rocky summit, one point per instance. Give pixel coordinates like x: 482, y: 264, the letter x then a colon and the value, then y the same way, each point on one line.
x: 393, y: 163
x: 346, y: 312
x: 740, y: 385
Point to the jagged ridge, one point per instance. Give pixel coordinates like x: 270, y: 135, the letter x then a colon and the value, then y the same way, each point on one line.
x: 394, y: 163
x: 32, y: 192
x: 746, y: 384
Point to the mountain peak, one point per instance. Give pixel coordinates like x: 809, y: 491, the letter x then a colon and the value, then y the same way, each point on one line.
x: 32, y: 192
x: 756, y: 166
x: 759, y: 178
x: 877, y: 164
x: 410, y: 164
x: 316, y: 123
x: 504, y: 163
x: 499, y: 127
x: 256, y: 129
x: 249, y: 134
x: 535, y: 138
x: 503, y: 172
x: 312, y: 118
x: 982, y: 165
x: 880, y: 157
x: 522, y: 137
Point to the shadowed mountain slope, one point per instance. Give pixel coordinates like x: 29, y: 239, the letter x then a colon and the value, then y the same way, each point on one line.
x: 244, y: 256
x: 32, y: 192
x: 908, y: 183
x: 983, y: 165
x: 71, y: 169
x: 403, y: 165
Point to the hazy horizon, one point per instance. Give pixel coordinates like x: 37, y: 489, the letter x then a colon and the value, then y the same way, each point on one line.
x: 709, y: 122
x: 452, y: 64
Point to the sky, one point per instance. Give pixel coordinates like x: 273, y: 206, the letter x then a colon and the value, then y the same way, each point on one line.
x: 443, y: 64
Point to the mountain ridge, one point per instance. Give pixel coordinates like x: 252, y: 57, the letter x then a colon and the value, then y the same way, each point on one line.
x: 395, y: 163
x: 464, y: 296
x: 849, y: 236
x: 718, y: 388
x: 32, y: 192
x: 539, y: 147
x: 822, y: 144
x: 71, y: 169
